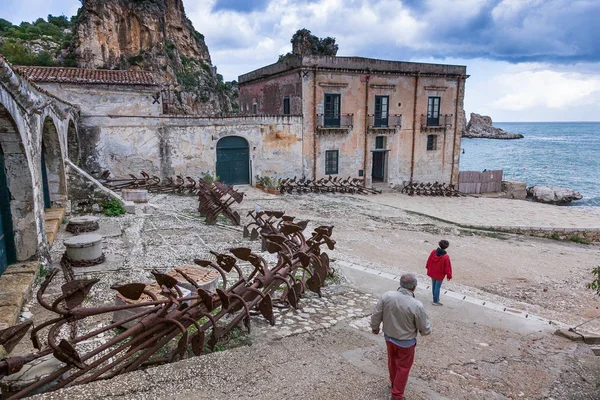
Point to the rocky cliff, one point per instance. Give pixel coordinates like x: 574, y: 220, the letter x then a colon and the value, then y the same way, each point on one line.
x: 152, y: 35
x: 480, y: 126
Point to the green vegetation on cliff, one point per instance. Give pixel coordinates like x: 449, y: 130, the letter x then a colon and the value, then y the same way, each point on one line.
x: 304, y: 43
x: 43, y: 42
x: 171, y: 48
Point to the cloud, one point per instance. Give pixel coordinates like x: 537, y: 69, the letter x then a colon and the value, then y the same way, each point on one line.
x: 545, y: 88
x: 528, y: 59
x: 555, y: 31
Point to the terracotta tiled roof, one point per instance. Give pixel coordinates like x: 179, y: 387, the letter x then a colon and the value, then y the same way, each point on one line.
x: 86, y: 76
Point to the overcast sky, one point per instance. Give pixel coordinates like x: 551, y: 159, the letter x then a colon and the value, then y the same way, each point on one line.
x: 529, y: 60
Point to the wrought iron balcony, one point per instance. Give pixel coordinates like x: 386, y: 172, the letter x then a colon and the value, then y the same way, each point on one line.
x: 341, y: 123
x: 388, y: 124
x: 442, y: 122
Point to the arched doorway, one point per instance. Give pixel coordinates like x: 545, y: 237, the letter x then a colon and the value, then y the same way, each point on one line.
x: 7, y: 244
x: 18, y: 230
x: 53, y: 178
x: 233, y: 160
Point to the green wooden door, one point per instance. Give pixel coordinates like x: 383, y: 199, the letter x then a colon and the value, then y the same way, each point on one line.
x: 233, y: 161
x: 45, y: 185
x: 7, y: 244
x: 378, y: 173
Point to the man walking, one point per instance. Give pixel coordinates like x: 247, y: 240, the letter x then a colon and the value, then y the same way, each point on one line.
x: 438, y: 267
x: 403, y: 316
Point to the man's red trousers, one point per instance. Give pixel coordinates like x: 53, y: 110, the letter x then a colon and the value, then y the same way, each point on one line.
x: 400, y: 360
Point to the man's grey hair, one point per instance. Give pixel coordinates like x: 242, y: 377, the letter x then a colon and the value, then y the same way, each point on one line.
x: 408, y: 281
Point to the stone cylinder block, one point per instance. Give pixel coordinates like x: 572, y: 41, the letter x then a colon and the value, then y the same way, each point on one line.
x: 84, y: 247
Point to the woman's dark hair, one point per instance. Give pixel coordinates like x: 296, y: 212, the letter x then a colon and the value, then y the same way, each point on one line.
x: 444, y: 244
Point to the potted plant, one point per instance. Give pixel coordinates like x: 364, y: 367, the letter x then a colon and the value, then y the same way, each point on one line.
x: 271, y: 185
x: 259, y: 183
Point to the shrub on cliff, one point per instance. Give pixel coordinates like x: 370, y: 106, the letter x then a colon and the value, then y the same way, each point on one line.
x: 304, y: 43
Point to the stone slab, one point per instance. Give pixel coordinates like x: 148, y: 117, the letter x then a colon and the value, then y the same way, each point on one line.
x: 11, y: 299
x: 15, y: 287
x: 83, y: 220
x: 30, y: 374
x: 8, y: 316
x: 574, y: 336
x: 129, y: 207
x: 135, y: 195
x: 24, y: 268
x: 16, y: 283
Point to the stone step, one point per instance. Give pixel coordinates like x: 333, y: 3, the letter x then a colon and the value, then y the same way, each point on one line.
x: 54, y: 218
x: 54, y: 213
x: 15, y: 287
x: 384, y: 187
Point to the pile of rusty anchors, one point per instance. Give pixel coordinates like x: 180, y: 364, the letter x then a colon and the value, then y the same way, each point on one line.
x: 431, y: 189
x: 267, y: 223
x: 216, y: 199
x: 165, y: 328
x: 325, y: 185
x: 152, y: 183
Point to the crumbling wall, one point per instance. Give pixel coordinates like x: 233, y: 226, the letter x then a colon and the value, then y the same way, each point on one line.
x: 268, y: 95
x: 169, y: 146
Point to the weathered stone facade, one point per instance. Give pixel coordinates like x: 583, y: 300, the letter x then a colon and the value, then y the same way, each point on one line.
x: 170, y: 145
x: 124, y: 130
x: 37, y: 132
x: 407, y: 88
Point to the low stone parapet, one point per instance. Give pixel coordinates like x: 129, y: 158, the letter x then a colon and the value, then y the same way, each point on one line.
x: 578, y: 235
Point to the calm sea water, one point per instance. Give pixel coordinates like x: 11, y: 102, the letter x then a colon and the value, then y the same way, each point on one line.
x: 565, y: 154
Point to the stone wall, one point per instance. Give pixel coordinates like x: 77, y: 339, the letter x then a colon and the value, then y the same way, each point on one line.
x: 578, y: 235
x: 169, y: 145
x: 109, y: 99
x: 84, y: 196
x: 268, y: 96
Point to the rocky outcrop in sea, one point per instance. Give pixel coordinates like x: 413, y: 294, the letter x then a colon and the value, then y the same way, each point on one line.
x: 480, y: 126
x: 553, y: 195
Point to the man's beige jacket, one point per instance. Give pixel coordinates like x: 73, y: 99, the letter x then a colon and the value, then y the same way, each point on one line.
x: 402, y: 315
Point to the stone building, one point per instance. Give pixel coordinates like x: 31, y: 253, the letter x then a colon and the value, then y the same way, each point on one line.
x: 38, y: 132
x: 126, y: 127
x: 388, y: 121
x: 311, y: 116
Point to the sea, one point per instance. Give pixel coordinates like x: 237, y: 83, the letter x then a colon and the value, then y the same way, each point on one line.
x: 564, y: 154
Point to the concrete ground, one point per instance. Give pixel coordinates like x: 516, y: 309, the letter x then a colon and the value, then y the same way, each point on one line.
x: 473, y: 353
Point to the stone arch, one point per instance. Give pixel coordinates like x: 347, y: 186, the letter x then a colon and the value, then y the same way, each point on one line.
x: 53, y: 170
x: 233, y: 160
x: 73, y: 149
x: 17, y: 187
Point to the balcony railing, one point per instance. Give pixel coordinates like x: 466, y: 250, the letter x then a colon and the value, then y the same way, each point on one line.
x: 341, y: 123
x: 376, y: 122
x: 443, y: 121
x: 335, y: 121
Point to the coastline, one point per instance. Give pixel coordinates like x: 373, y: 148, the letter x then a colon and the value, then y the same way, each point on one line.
x: 552, y: 154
